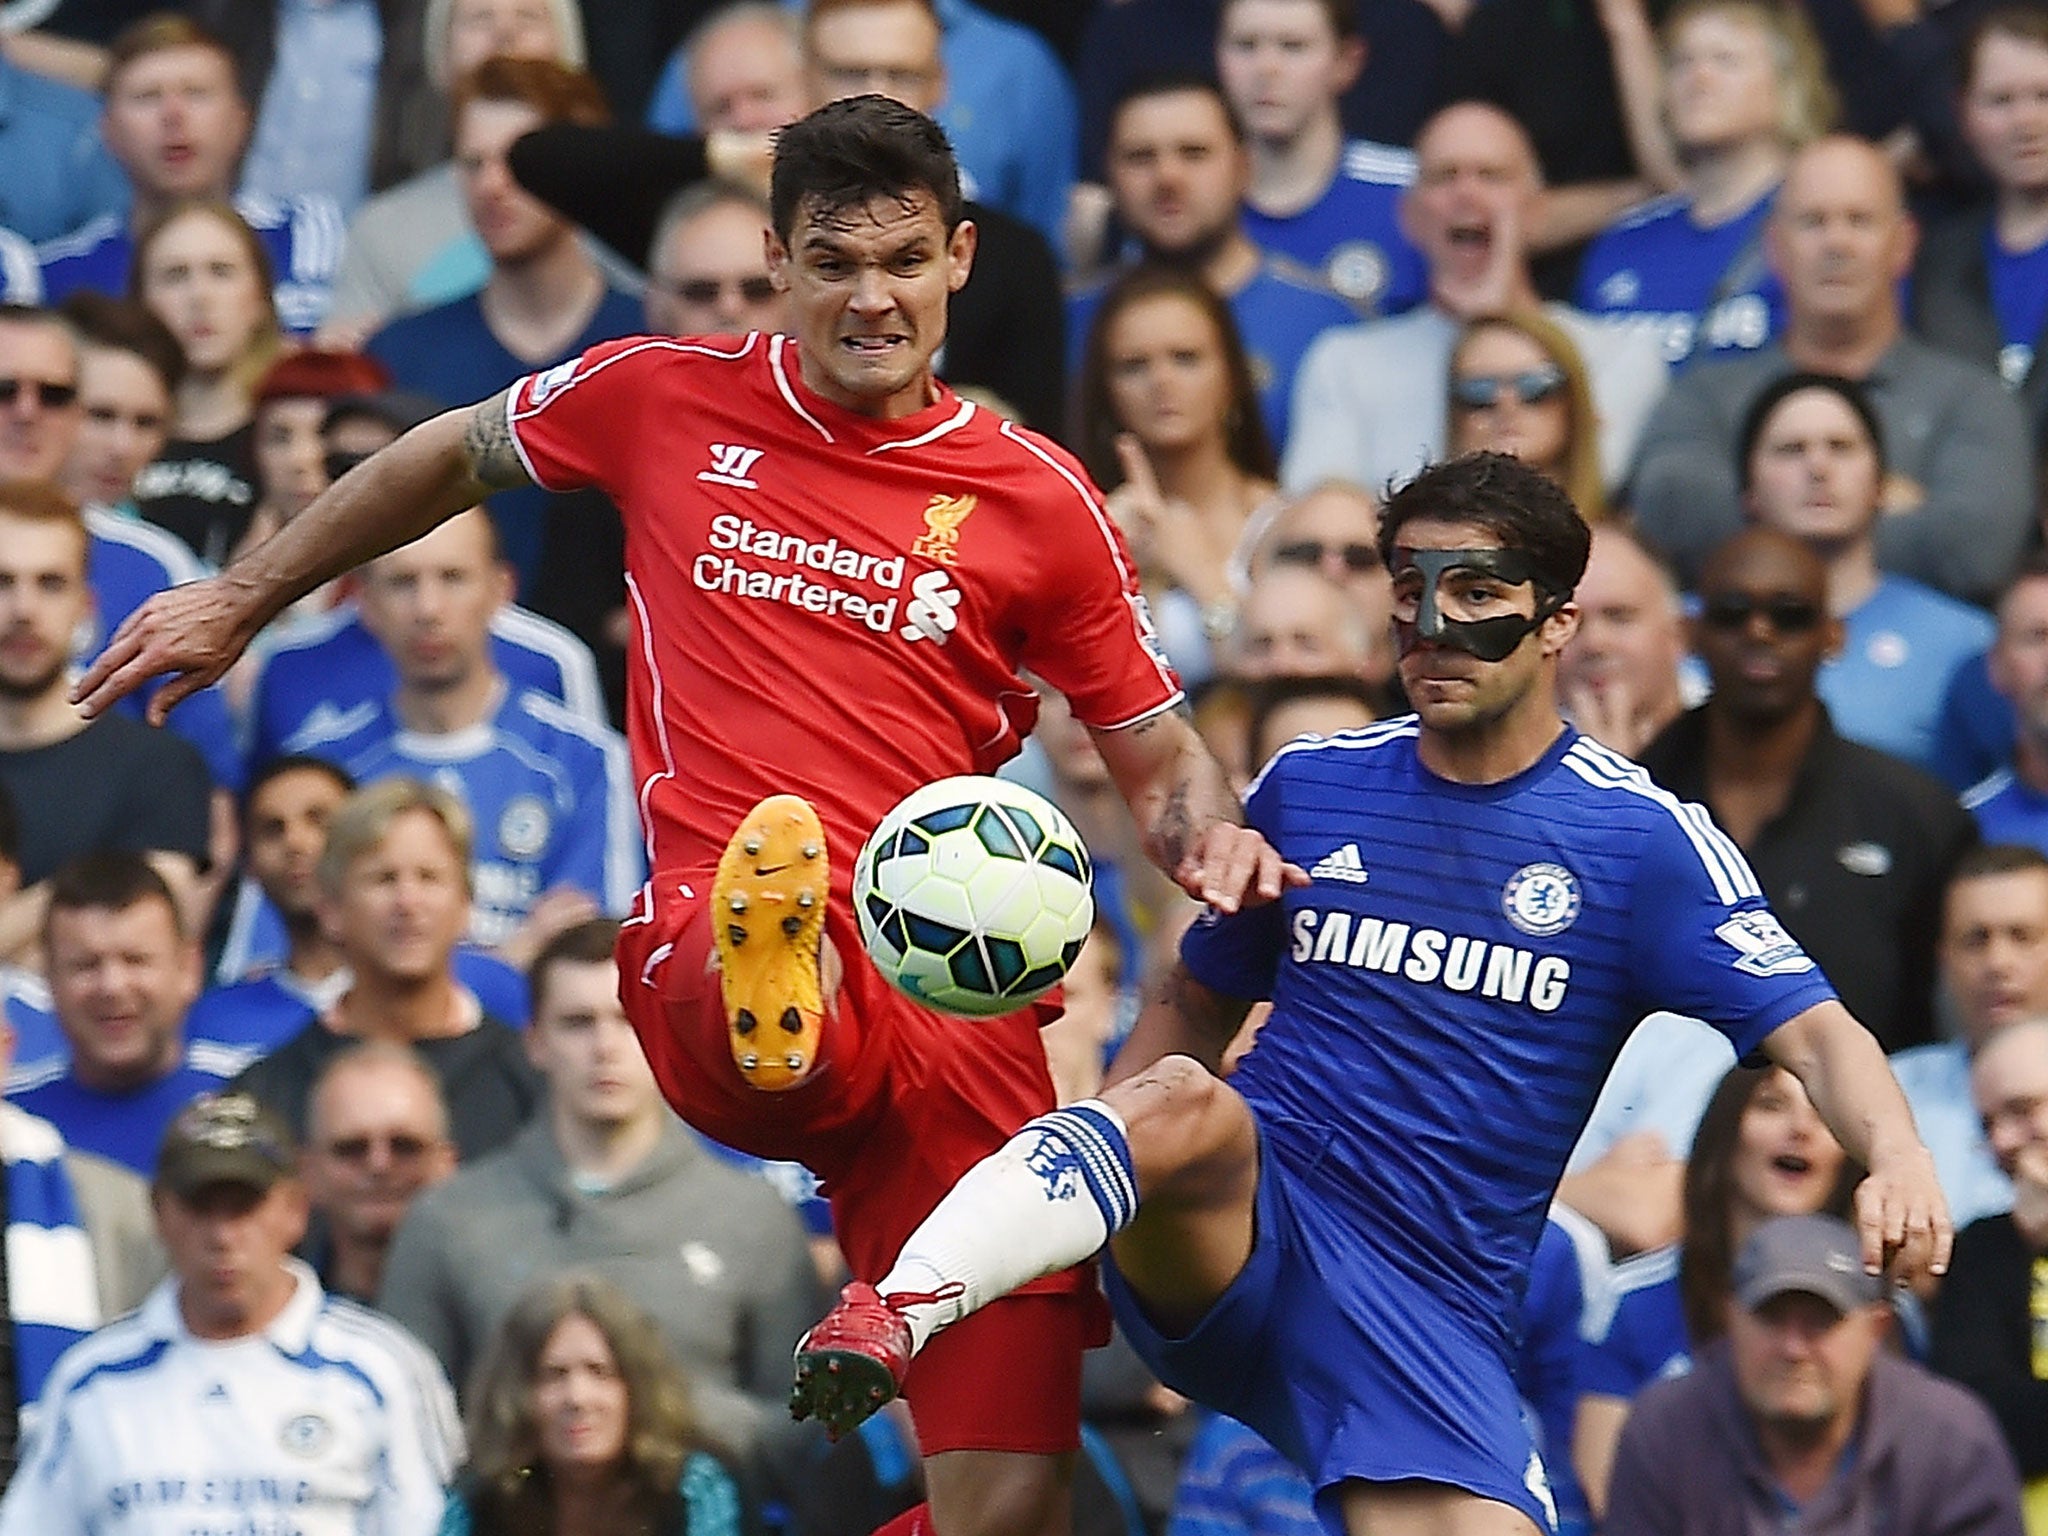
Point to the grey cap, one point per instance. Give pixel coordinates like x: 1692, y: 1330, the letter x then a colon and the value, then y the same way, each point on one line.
x: 1819, y: 1255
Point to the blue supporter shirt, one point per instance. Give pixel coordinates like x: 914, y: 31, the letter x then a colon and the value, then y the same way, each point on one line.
x: 1351, y: 236
x: 550, y: 795
x: 129, y: 562
x: 1646, y: 1340
x: 1548, y: 1363
x: 1708, y: 289
x: 126, y: 1128
x: 1900, y: 649
x: 1474, y: 956
x: 327, y: 673
x: 2019, y: 298
x: 40, y: 1050
x: 449, y: 354
x: 59, y: 174
x: 302, y: 234
x: 2009, y: 811
x: 1278, y: 313
x: 1976, y: 733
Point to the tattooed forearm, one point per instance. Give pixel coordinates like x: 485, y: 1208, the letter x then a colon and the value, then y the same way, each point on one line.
x: 1175, y: 789
x: 488, y: 445
x: 1172, y: 833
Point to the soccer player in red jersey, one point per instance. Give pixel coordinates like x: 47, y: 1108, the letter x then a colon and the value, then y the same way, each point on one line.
x: 837, y: 572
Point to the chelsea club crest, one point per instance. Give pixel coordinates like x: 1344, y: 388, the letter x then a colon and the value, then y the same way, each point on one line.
x: 1541, y: 899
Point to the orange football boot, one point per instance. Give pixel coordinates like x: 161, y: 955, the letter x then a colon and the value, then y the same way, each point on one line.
x: 768, y: 915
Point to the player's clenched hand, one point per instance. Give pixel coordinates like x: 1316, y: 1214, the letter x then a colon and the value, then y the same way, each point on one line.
x: 1902, y: 1217
x: 1231, y: 867
x: 191, y: 634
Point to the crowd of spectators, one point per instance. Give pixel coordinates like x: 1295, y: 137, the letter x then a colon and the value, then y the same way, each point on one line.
x: 316, y: 982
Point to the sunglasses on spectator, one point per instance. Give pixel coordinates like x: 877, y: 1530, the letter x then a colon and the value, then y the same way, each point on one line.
x: 51, y: 395
x: 1356, y: 557
x: 1482, y: 391
x: 402, y: 1146
x: 706, y: 290
x: 1786, y: 615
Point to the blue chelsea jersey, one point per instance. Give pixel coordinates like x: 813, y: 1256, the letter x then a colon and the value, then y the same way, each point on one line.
x: 550, y: 796
x: 1707, y: 289
x: 1452, y: 987
x: 1351, y: 236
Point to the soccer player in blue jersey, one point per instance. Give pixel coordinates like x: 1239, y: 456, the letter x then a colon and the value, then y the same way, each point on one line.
x: 1333, y: 1246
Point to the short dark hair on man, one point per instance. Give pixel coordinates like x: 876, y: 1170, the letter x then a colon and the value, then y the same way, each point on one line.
x: 1522, y: 507
x: 1342, y: 15
x: 590, y: 943
x: 294, y: 762
x: 1775, y: 393
x: 1270, y: 695
x: 1174, y: 82
x: 851, y: 151
x: 1987, y: 859
x: 109, y: 880
x: 126, y: 325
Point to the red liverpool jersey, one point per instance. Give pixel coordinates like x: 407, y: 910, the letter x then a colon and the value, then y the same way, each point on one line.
x: 828, y: 604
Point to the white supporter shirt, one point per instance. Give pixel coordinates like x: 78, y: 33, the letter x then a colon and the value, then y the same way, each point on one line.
x: 333, y: 1419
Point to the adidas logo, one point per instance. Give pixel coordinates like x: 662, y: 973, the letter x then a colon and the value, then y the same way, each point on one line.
x: 1344, y: 865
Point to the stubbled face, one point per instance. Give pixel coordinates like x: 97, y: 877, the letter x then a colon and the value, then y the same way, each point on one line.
x: 1529, y: 412
x: 199, y: 278
x: 747, y: 77
x: 375, y: 1139
x: 43, y: 601
x: 514, y: 226
x: 285, y: 827
x: 581, y: 1406
x: 1721, y: 82
x: 122, y: 981
x: 2005, y: 111
x: 868, y: 288
x: 1799, y: 1364
x: 403, y: 905
x: 890, y: 47
x: 1280, y: 63
x: 430, y: 603
x: 1814, y: 471
x: 1994, y: 950
x: 39, y: 418
x: 487, y: 29
x: 711, y: 277
x: 1631, y: 636
x: 1176, y: 173
x: 581, y: 1042
x: 1839, y: 236
x: 125, y: 417
x: 1168, y: 380
x: 1473, y: 171
x: 176, y: 122
x: 1785, y: 1161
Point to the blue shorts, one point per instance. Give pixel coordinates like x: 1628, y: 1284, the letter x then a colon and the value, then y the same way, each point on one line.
x: 1347, y: 1367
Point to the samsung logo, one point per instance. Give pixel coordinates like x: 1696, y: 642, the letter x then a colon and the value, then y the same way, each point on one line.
x: 1431, y: 957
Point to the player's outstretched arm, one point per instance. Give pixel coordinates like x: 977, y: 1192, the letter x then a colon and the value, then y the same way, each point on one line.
x: 1900, y: 1210
x: 194, y: 633
x: 1191, y: 822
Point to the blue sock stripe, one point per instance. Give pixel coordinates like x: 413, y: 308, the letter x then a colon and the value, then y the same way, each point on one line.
x: 1104, y: 1160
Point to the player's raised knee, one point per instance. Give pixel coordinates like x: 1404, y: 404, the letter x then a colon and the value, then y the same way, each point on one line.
x: 1188, y: 1128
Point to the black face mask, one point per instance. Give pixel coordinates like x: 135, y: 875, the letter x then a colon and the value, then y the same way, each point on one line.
x: 1487, y: 639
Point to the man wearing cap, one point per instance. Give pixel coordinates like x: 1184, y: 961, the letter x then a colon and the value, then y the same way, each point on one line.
x: 1800, y: 1420
x: 156, y: 1424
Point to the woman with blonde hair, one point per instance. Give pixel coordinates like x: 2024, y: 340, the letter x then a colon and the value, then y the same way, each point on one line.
x: 1744, y: 86
x: 205, y: 273
x: 580, y: 1425
x: 1516, y: 384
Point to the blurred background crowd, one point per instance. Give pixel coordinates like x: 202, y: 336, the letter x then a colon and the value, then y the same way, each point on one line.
x: 1761, y: 282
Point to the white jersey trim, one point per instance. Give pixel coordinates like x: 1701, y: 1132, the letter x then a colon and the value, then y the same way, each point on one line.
x: 581, y: 690
x: 1364, y: 738
x: 776, y: 346
x: 657, y: 708
x: 1987, y: 789
x: 952, y: 423
x: 1605, y: 768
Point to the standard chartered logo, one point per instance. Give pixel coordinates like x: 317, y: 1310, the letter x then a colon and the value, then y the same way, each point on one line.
x: 763, y: 564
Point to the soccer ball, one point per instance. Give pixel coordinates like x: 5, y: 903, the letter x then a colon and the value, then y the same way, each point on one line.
x: 974, y: 895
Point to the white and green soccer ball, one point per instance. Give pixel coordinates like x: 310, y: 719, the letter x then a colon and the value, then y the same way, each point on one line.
x: 974, y: 895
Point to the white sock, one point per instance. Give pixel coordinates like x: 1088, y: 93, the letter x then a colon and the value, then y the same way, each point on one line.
x: 1051, y: 1196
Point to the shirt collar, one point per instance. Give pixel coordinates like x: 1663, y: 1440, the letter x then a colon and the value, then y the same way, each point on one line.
x: 291, y: 1330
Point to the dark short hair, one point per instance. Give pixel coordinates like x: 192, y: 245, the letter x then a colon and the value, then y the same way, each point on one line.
x: 110, y: 880
x: 1342, y: 15
x: 1982, y: 860
x: 591, y: 943
x: 2025, y: 23
x: 126, y: 325
x: 1775, y: 393
x: 1522, y: 507
x: 1272, y: 694
x: 294, y: 762
x: 1175, y: 82
x: 856, y: 149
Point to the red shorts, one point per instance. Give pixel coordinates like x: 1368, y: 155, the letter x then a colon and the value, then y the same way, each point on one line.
x: 902, y: 1102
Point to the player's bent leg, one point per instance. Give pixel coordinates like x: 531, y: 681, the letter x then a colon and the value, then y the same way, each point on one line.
x: 999, y: 1493
x: 768, y: 914
x: 1427, y: 1509
x: 1196, y: 1151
